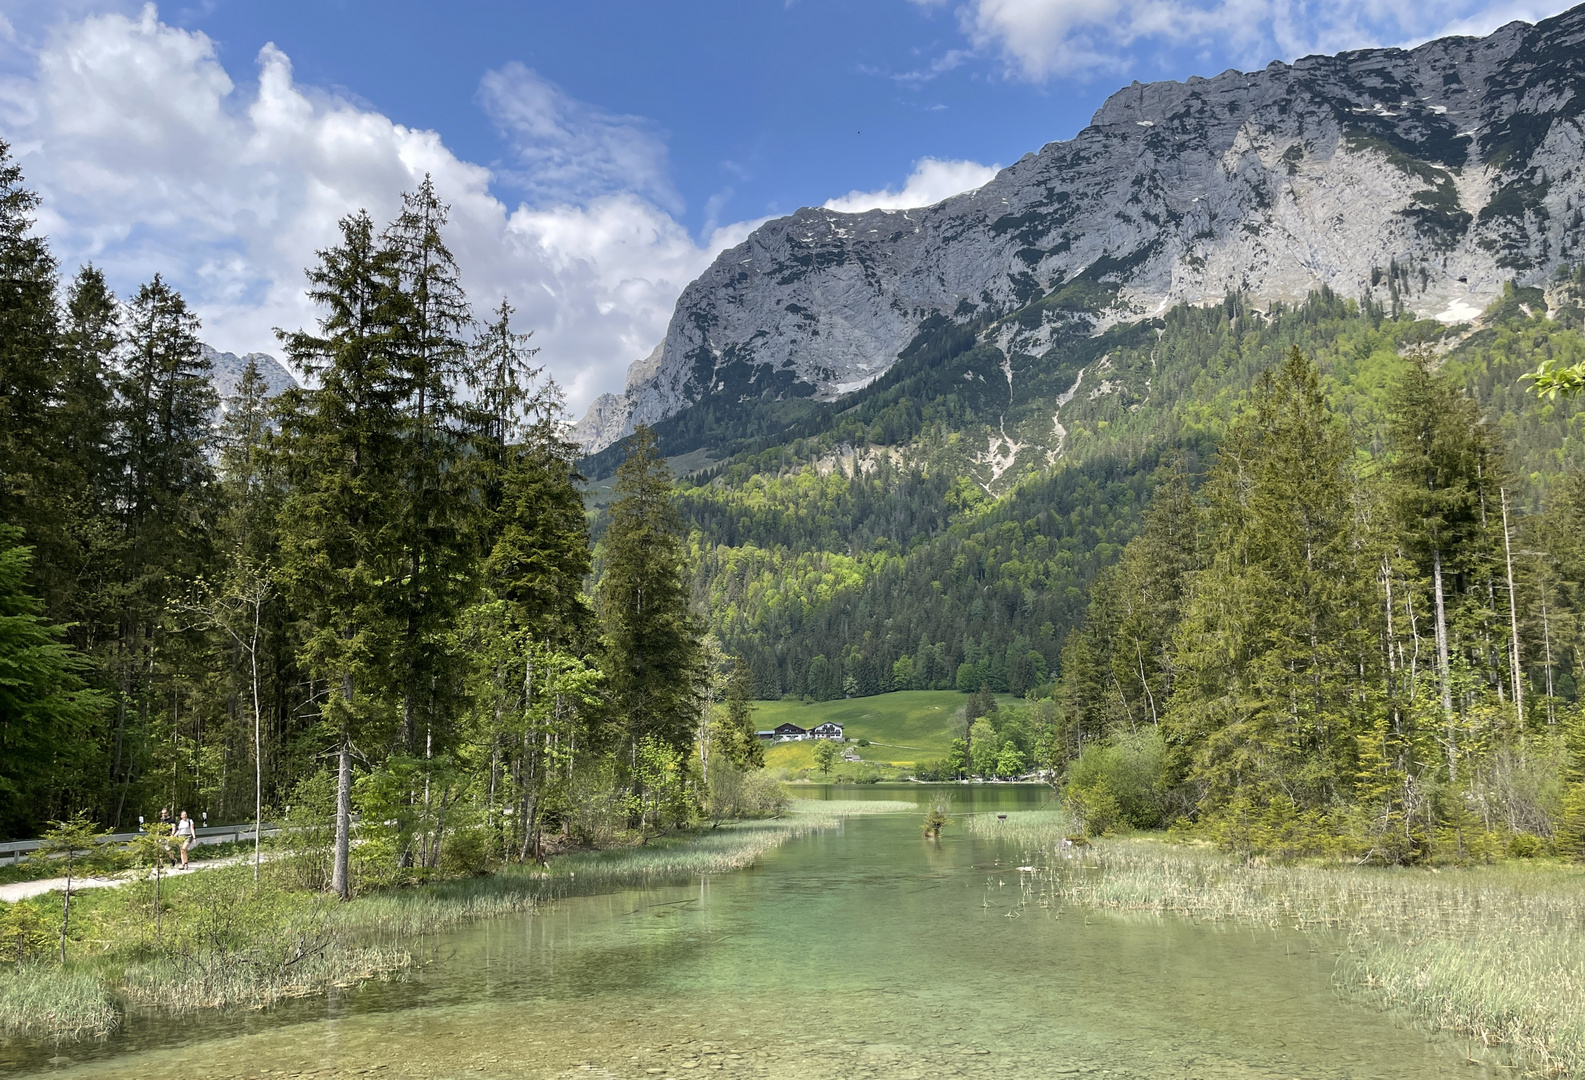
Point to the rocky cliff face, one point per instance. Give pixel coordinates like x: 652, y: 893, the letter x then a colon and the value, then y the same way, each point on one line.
x: 228, y: 369
x: 1425, y: 177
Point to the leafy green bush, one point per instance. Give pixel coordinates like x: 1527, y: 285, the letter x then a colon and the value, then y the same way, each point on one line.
x: 1118, y: 783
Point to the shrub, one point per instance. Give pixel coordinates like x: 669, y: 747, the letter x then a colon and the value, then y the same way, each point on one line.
x: 1524, y: 846
x: 1119, y: 782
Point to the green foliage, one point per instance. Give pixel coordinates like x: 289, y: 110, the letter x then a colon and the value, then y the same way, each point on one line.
x: 1120, y: 782
x: 825, y: 755
x: 44, y: 705
x: 651, y: 653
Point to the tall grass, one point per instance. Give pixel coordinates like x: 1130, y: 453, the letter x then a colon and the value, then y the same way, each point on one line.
x: 1030, y: 830
x: 1495, y: 953
x: 43, y: 998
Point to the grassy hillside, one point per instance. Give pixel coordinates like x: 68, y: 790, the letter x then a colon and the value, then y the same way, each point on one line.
x: 903, y: 727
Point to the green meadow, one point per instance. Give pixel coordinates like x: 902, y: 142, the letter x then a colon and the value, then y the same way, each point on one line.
x: 903, y: 728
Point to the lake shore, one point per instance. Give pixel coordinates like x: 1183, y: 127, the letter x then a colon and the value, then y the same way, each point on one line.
x: 1491, y: 952
x: 223, y: 940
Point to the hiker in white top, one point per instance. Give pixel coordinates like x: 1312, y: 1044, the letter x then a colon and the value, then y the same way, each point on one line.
x: 185, y: 835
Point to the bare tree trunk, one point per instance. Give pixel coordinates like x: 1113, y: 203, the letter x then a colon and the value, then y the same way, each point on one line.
x: 1513, y: 614
x: 1443, y: 674
x: 1392, y: 660
x: 339, y: 882
x: 1546, y: 641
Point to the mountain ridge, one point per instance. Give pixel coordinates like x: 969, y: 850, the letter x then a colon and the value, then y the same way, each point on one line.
x: 1423, y: 179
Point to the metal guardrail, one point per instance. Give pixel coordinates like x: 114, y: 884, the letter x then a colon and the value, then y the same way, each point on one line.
x: 13, y: 851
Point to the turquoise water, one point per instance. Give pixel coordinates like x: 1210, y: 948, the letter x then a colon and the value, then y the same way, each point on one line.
x: 863, y: 951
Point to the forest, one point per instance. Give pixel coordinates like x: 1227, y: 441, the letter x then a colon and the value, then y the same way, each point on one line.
x: 367, y: 599
x: 896, y: 567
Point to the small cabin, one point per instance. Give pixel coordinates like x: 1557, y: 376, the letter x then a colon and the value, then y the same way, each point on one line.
x: 765, y: 736
x: 827, y: 730
x: 790, y: 731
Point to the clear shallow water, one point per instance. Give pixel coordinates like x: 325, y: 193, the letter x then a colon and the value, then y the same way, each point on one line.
x: 860, y: 952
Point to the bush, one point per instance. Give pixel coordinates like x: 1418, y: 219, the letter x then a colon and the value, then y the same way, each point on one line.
x: 465, y: 851
x: 1524, y: 846
x: 1118, y: 782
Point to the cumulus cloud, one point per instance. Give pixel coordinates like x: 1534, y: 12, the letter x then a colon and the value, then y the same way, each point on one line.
x: 150, y: 159
x: 1042, y: 39
x: 931, y: 181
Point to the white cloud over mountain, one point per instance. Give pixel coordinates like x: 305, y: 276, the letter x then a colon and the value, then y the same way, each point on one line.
x: 150, y: 159
x: 931, y: 181
x: 1044, y: 39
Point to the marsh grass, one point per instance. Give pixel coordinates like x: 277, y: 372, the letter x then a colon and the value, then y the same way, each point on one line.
x: 225, y: 941
x: 42, y: 998
x: 1496, y: 953
x: 1029, y: 830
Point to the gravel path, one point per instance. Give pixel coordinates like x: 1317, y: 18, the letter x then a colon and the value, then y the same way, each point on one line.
x: 22, y: 890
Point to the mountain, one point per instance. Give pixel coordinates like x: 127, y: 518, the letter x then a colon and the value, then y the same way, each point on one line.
x: 228, y: 369
x: 1423, y: 180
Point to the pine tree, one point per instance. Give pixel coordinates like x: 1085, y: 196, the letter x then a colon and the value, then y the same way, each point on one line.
x: 28, y: 368
x: 735, y: 735
x: 1444, y: 474
x: 165, y: 406
x: 81, y: 587
x: 342, y: 546
x: 651, y: 653
x: 1276, y: 643
x: 430, y: 320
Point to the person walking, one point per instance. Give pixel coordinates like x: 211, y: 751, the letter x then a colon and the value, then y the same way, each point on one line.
x: 185, y: 835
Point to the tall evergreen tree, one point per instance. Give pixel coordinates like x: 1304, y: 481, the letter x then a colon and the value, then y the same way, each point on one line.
x: 29, y: 492
x: 1444, y: 476
x: 1275, y: 637
x: 651, y: 654
x: 342, y: 540
x: 430, y: 358
x: 165, y: 406
x: 84, y: 418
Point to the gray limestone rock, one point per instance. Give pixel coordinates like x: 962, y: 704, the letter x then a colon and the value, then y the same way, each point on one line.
x: 1426, y: 177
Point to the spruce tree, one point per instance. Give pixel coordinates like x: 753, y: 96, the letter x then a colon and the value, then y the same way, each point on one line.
x: 165, y: 406
x: 1275, y: 647
x: 30, y: 491
x: 1444, y: 475
x: 651, y: 656
x: 430, y: 320
x: 342, y: 550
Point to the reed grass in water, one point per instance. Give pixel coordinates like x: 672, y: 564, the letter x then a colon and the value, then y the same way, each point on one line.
x: 43, y: 998
x: 1495, y: 952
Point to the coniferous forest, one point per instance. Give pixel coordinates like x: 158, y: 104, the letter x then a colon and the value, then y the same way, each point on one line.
x: 368, y: 599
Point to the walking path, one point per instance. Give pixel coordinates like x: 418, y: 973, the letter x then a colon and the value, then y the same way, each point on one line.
x: 22, y: 890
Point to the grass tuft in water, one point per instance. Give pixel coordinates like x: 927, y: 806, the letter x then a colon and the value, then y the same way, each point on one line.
x: 1031, y: 830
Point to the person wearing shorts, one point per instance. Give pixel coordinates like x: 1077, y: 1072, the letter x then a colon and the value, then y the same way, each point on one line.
x: 185, y: 834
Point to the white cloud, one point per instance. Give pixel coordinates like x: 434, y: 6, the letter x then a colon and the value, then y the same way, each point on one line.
x: 571, y: 150
x: 150, y: 159
x: 931, y: 181
x: 1042, y: 39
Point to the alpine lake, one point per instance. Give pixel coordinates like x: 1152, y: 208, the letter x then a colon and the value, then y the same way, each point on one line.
x: 861, y: 951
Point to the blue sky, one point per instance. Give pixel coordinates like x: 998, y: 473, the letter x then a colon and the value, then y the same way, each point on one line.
x: 597, y: 154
